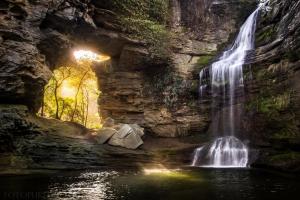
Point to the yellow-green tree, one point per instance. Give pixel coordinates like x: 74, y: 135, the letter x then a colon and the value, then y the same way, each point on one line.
x: 71, y: 95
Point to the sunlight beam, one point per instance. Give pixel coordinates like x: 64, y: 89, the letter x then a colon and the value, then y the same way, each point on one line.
x: 83, y: 55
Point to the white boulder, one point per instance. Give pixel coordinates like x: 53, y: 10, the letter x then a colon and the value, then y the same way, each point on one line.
x: 128, y: 136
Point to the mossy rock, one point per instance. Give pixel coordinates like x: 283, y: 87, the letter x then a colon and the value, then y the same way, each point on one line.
x: 288, y: 156
x: 266, y: 35
x: 203, y: 61
x: 292, y: 56
x: 286, y: 161
x: 194, y: 87
x: 270, y: 104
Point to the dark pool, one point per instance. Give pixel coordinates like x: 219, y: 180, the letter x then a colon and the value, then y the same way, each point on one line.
x: 206, y: 184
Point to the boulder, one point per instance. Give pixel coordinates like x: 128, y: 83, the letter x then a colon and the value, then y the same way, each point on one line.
x: 109, y: 122
x: 104, y: 134
x: 127, y: 137
x: 139, y: 130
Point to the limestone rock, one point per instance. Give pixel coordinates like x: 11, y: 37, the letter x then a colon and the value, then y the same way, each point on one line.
x: 136, y: 128
x: 127, y: 137
x: 104, y: 134
x: 133, y: 58
x: 109, y: 122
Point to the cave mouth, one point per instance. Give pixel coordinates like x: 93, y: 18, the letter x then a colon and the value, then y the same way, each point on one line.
x: 73, y: 91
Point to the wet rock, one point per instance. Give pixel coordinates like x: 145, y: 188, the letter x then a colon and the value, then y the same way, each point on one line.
x: 274, y: 128
x: 37, y: 36
x: 133, y: 58
x: 137, y: 129
x: 29, y: 142
x: 109, y: 122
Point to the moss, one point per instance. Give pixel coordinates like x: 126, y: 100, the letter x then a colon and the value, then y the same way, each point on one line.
x: 270, y: 105
x: 154, y: 10
x: 286, y: 133
x: 277, y: 113
x: 145, y: 20
x: 204, y: 60
x: 287, y: 156
x: 292, y: 56
x: 266, y: 35
x: 167, y: 87
x: 156, y: 35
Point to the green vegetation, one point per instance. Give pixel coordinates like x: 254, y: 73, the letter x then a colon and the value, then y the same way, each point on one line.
x: 172, y: 87
x: 167, y: 87
x: 270, y: 105
x: 156, y: 35
x: 154, y: 10
x: 146, y: 20
x: 277, y: 111
x: 71, y: 95
x: 266, y: 35
x: 292, y: 56
x: 204, y: 60
x: 287, y: 157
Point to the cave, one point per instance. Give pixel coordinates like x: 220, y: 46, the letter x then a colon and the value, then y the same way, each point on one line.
x: 73, y: 91
x: 118, y: 98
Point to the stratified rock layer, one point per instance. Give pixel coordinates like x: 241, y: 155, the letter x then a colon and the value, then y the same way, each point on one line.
x: 272, y: 118
x: 37, y: 36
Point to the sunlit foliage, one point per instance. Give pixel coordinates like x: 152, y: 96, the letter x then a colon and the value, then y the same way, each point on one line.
x: 145, y: 20
x: 71, y: 94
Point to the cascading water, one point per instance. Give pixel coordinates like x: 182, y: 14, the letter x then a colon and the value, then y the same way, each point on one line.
x: 226, y: 76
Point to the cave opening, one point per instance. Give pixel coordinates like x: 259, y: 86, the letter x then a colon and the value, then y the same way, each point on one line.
x: 73, y: 91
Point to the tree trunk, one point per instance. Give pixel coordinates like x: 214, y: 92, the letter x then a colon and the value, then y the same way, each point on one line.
x: 76, y: 96
x: 62, y: 110
x: 43, y: 103
x: 87, y: 107
x: 56, y: 100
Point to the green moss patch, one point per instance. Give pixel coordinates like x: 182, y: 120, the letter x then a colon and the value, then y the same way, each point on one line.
x: 270, y: 105
x: 266, y: 35
x: 292, y: 56
x: 145, y: 20
x: 288, y: 156
x: 204, y: 60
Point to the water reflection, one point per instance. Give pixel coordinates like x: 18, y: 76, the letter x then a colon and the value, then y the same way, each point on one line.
x: 190, y: 183
x: 89, y: 186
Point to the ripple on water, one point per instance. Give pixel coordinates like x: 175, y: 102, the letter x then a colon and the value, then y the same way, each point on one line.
x: 89, y: 185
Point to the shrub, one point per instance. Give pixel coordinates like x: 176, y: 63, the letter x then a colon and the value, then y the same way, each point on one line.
x: 145, y: 20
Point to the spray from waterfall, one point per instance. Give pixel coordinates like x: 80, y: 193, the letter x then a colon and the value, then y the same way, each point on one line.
x: 227, y: 89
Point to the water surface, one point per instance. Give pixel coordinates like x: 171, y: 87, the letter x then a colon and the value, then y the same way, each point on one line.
x: 191, y: 183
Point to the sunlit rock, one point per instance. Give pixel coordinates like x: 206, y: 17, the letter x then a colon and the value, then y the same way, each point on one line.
x: 127, y: 137
x: 104, y: 134
x: 109, y: 122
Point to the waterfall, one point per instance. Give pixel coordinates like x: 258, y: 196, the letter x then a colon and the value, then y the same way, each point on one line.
x: 227, y: 84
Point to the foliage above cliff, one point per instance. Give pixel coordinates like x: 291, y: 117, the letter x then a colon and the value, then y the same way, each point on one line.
x: 154, y: 10
x: 145, y: 20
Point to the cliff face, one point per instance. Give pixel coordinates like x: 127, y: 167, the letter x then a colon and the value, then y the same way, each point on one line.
x: 164, y: 98
x: 273, y: 87
x: 37, y: 36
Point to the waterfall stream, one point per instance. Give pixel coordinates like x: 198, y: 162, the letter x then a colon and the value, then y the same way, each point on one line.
x: 227, y: 86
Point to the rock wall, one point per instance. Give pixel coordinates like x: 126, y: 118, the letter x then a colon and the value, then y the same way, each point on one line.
x: 273, y: 93
x: 164, y: 98
x: 37, y: 36
x: 23, y: 69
